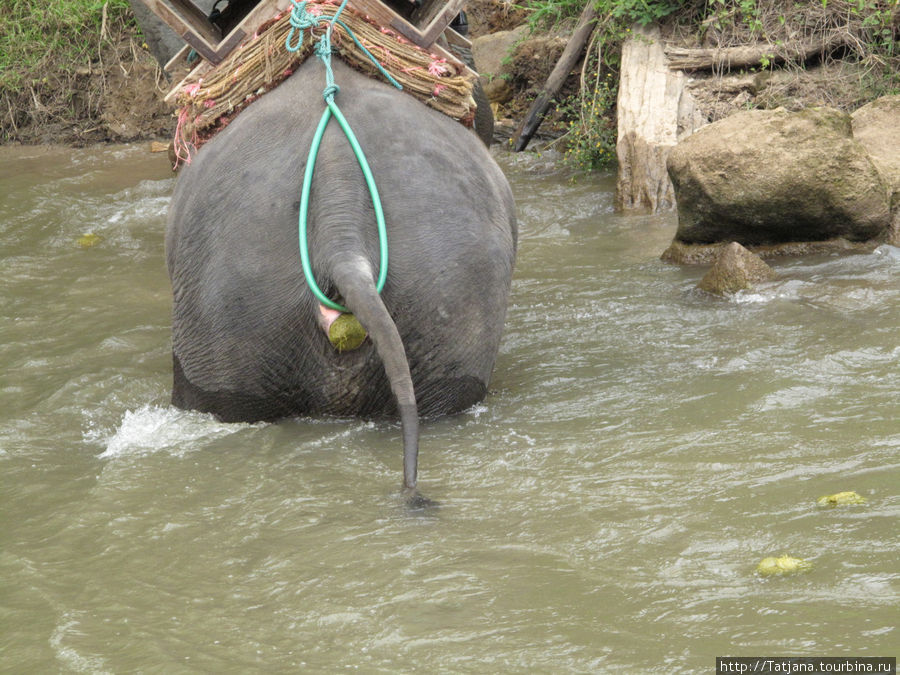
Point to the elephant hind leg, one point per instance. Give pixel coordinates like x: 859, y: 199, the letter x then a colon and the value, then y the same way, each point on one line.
x: 226, y: 406
x: 450, y: 395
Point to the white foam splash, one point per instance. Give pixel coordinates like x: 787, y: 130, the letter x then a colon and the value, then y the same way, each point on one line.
x: 476, y: 410
x: 152, y: 429
x: 70, y: 656
x: 790, y: 289
x: 745, y: 298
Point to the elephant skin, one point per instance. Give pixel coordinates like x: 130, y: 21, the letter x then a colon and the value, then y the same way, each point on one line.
x: 248, y: 341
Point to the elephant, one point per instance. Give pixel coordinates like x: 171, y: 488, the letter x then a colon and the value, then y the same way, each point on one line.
x: 248, y: 335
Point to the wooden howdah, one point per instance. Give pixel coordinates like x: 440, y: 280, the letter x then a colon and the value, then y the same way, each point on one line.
x: 421, y: 22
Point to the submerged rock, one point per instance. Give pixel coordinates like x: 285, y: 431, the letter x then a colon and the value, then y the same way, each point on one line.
x: 735, y: 269
x: 705, y: 254
x: 841, y: 499
x: 764, y: 177
x: 782, y: 566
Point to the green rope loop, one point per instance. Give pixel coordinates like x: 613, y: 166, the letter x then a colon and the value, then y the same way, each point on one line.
x: 299, y: 20
x: 302, y: 21
x: 333, y: 110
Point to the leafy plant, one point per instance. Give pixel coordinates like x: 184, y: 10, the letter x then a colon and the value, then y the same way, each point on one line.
x: 642, y: 12
x: 550, y: 13
x: 591, y: 137
x: 544, y: 14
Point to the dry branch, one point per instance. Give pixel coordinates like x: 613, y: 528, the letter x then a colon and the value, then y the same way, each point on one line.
x: 567, y: 61
x: 723, y: 59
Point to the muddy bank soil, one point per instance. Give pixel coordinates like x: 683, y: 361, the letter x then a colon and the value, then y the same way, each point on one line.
x: 117, y: 97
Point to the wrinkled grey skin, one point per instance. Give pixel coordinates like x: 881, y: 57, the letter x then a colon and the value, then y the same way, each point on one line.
x: 247, y: 338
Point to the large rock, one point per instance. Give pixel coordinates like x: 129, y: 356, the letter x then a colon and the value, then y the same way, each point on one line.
x: 770, y: 176
x: 491, y: 52
x: 877, y: 127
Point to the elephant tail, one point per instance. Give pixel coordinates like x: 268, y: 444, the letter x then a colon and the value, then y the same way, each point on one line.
x: 356, y: 283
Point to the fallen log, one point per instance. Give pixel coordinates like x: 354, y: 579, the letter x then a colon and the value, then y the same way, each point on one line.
x: 557, y: 78
x: 745, y: 56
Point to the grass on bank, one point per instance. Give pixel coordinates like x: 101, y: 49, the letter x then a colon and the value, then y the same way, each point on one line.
x: 58, y: 33
x: 45, y: 46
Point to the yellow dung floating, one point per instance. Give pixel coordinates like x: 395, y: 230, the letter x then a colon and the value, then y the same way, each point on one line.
x: 841, y: 499
x: 782, y: 566
x: 88, y: 240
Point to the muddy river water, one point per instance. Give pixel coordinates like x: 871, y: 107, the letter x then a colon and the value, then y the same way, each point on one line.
x: 643, y: 446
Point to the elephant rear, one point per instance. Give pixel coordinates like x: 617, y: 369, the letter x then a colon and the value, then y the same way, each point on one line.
x: 248, y: 342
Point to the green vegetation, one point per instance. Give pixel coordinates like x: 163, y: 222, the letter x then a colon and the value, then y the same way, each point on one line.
x: 861, y: 33
x: 591, y: 134
x: 549, y: 13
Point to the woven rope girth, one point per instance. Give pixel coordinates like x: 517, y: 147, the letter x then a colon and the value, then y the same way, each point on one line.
x: 208, y: 102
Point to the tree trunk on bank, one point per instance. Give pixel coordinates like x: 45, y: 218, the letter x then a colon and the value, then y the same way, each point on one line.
x: 654, y: 111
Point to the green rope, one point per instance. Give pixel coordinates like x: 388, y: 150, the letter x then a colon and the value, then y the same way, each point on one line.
x: 300, y: 20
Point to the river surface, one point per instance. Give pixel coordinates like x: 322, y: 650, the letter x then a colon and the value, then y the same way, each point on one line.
x: 642, y: 447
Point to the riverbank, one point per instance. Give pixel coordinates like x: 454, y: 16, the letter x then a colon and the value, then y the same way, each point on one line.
x: 78, y: 76
x: 839, y: 53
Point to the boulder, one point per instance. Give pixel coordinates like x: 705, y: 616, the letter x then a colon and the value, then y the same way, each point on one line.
x: 877, y: 127
x: 735, y: 269
x: 764, y: 177
x: 705, y: 254
x: 491, y: 51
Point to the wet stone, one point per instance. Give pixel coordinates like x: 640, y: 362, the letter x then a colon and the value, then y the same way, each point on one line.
x: 735, y: 269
